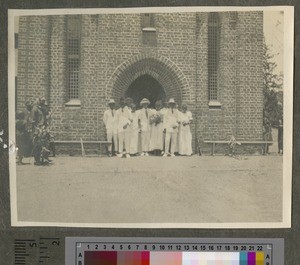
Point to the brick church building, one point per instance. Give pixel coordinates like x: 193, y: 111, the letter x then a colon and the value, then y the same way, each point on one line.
x: 210, y: 61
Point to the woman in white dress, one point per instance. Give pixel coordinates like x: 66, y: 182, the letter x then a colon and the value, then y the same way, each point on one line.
x: 134, y: 127
x: 185, y: 135
x: 156, y: 119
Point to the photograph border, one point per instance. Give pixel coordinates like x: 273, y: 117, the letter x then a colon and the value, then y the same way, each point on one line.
x: 288, y: 113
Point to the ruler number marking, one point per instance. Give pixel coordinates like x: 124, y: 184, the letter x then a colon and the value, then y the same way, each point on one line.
x: 33, y: 245
x: 55, y: 243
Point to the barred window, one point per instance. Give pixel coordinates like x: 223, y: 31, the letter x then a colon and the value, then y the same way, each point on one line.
x: 73, y: 55
x: 149, y: 31
x: 213, y: 54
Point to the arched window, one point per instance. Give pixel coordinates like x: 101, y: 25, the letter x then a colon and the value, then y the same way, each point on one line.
x: 213, y: 55
x: 73, y: 56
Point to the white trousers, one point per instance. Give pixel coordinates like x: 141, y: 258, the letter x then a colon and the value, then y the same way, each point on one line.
x: 145, y: 137
x: 113, y: 137
x: 124, y: 141
x: 171, y: 137
x: 134, y: 142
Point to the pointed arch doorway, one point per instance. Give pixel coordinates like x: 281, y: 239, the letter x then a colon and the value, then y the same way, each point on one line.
x: 148, y: 87
x: 144, y: 74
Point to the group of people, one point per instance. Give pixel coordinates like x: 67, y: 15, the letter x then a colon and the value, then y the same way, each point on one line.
x: 33, y: 137
x: 163, y: 130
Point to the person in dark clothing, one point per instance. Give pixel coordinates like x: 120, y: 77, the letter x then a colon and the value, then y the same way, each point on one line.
x: 52, y: 145
x: 267, y: 135
x: 43, y: 106
x: 41, y: 143
x: 280, y: 137
x: 23, y: 140
x: 47, y: 120
x: 39, y: 124
x: 37, y: 119
x: 37, y: 146
x: 28, y: 115
x: 29, y: 124
x: 37, y: 115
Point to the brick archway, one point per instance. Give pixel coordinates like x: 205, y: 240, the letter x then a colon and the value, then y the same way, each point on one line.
x: 161, y: 68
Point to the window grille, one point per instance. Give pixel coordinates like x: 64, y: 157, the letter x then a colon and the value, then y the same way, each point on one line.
x: 73, y: 55
x: 149, y: 31
x: 213, y: 54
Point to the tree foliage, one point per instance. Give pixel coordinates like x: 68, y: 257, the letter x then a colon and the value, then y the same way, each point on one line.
x: 272, y: 88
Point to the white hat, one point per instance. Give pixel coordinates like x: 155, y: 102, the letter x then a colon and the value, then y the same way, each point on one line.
x: 145, y: 101
x: 111, y: 101
x: 171, y: 100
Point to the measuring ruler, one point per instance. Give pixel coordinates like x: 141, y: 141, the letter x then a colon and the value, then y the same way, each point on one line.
x: 173, y: 251
x: 43, y: 250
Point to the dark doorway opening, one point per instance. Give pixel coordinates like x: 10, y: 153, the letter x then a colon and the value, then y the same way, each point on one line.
x: 148, y: 87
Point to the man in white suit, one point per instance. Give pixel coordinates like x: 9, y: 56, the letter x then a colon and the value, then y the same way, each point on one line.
x: 144, y: 124
x: 134, y: 127
x: 163, y: 112
x: 123, y: 125
x: 171, y: 123
x: 109, y: 119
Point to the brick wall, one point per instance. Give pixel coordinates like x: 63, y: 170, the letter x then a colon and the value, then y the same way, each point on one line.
x: 240, y: 79
x: 61, y: 126
x: 33, y: 59
x: 216, y: 123
x: 114, y: 53
x: 250, y: 75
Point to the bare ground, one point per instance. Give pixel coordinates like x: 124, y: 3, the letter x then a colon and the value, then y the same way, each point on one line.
x: 152, y: 189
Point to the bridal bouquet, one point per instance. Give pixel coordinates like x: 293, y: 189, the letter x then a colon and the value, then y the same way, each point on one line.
x: 184, y: 123
x: 156, y: 119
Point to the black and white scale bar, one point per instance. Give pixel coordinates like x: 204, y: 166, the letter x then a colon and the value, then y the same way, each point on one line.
x: 20, y: 260
x: 24, y: 240
x: 49, y: 238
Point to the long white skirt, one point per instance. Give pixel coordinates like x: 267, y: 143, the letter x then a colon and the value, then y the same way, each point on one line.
x: 156, y: 138
x: 185, y: 140
x: 134, y: 143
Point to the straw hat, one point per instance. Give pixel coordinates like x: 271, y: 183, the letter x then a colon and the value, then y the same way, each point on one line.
x: 171, y: 100
x: 145, y: 101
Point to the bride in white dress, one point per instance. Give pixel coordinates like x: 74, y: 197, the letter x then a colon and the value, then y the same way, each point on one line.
x: 185, y: 135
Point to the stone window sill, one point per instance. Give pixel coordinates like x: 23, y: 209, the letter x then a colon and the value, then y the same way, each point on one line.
x: 73, y: 103
x: 214, y: 104
x: 149, y: 29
